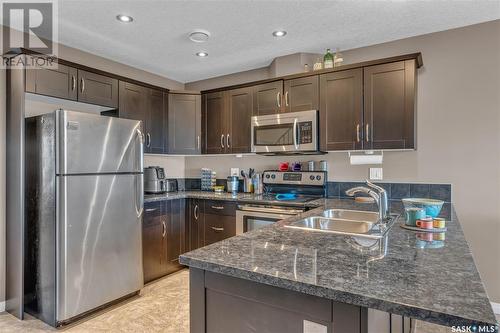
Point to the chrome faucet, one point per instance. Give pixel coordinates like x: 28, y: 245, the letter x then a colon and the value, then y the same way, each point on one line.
x: 377, y: 193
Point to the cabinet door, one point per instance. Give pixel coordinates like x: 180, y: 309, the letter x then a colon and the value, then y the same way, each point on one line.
x: 241, y: 112
x: 389, y: 110
x: 215, y: 109
x: 219, y: 227
x: 156, y: 122
x: 268, y: 98
x: 341, y: 110
x: 301, y: 94
x: 175, y: 233
x: 60, y: 82
x: 184, y: 124
x: 97, y: 89
x: 196, y: 224
x: 133, y: 105
x: 153, y: 230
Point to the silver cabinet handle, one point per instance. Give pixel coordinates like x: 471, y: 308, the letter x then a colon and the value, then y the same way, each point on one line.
x: 367, y: 134
x: 278, y: 99
x: 198, y: 142
x: 218, y: 207
x: 222, y: 141
x: 73, y: 83
x: 227, y: 141
x: 148, y: 141
x: 196, y: 209
x: 217, y: 229
x: 149, y: 210
x: 82, y: 85
x: 357, y: 133
x: 164, y: 232
x: 286, y: 99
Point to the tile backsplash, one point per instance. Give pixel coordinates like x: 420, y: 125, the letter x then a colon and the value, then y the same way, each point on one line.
x: 395, y: 191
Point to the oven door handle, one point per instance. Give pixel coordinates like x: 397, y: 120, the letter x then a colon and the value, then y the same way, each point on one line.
x: 274, y: 210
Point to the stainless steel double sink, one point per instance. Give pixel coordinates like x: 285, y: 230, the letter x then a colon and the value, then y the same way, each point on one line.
x: 346, y: 222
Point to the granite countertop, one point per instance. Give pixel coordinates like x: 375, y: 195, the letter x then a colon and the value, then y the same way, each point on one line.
x: 240, y: 197
x: 433, y: 281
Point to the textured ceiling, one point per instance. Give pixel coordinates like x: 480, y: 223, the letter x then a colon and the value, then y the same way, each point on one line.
x: 157, y: 41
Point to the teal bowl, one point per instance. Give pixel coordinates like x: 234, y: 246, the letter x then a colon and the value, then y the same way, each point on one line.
x: 432, y: 207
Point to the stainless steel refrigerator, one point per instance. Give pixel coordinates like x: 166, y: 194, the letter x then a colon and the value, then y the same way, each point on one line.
x: 84, y: 195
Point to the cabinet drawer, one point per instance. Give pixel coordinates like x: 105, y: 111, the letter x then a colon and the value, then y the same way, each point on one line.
x: 220, y: 207
x: 219, y: 227
x: 152, y: 210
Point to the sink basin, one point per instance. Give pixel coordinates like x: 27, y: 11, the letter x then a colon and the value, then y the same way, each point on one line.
x: 335, y: 225
x: 346, y: 222
x: 351, y: 215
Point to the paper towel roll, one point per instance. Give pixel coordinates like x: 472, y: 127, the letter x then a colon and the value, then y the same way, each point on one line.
x: 366, y: 159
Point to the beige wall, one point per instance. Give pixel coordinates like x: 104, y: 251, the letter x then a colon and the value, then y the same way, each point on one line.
x: 90, y: 60
x: 458, y: 132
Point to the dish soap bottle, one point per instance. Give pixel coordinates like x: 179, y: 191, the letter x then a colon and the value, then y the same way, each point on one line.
x: 328, y: 59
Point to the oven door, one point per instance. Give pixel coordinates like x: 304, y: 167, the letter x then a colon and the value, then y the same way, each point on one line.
x: 282, y: 133
x: 250, y: 218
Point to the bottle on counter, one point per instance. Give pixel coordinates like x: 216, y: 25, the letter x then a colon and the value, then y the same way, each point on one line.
x: 337, y: 58
x: 328, y: 59
x: 318, y: 65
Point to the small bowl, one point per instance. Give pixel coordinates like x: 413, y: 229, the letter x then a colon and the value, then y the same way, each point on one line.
x: 219, y: 188
x: 432, y: 207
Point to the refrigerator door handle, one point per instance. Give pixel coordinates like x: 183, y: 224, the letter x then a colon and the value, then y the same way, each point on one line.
x: 140, y: 150
x: 139, y: 199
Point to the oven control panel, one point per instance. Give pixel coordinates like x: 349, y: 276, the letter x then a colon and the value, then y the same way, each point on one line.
x: 317, y: 178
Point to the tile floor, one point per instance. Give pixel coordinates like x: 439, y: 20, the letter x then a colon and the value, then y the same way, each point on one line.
x: 162, y: 306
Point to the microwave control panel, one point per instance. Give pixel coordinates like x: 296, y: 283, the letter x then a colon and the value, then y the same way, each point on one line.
x: 305, y: 134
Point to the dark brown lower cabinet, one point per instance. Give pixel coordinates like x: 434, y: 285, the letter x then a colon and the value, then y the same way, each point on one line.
x: 153, y: 254
x: 220, y: 220
x: 196, y: 218
x: 163, y: 238
x: 219, y: 227
x: 249, y: 306
x: 175, y: 233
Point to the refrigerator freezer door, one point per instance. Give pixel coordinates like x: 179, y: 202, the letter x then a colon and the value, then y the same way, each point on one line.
x: 90, y: 144
x: 99, y: 240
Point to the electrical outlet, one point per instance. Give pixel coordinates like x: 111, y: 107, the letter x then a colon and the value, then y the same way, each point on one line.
x: 235, y: 171
x: 376, y: 174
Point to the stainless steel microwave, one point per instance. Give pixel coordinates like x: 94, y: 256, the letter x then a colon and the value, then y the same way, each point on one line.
x: 286, y: 133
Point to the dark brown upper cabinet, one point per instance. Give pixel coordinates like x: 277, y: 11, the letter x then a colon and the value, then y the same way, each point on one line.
x: 238, y: 138
x: 148, y: 105
x: 216, y: 122
x: 184, y: 124
x: 97, y: 89
x: 61, y: 82
x: 157, y: 121
x: 341, y: 110
x: 301, y: 94
x: 389, y: 105
x: 268, y: 98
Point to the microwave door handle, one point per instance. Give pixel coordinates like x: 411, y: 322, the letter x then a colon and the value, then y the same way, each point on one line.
x: 295, y: 141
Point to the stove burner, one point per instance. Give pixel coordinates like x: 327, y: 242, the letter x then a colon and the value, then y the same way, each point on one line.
x: 286, y: 196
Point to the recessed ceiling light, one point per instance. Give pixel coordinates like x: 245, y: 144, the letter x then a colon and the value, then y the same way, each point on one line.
x: 279, y: 33
x: 199, y: 36
x: 124, y: 18
x: 202, y: 54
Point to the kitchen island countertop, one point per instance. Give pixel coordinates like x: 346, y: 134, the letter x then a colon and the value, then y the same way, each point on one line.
x: 402, y: 274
